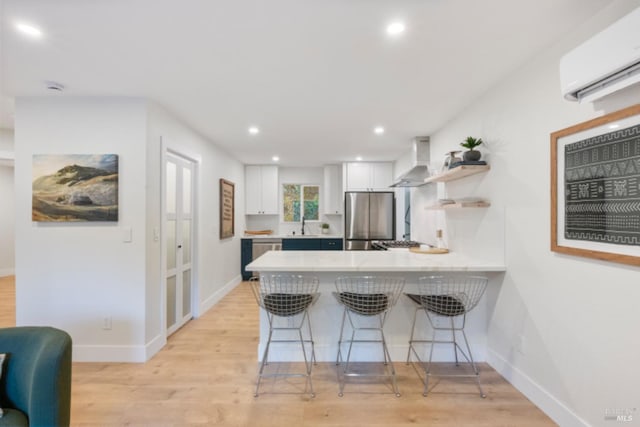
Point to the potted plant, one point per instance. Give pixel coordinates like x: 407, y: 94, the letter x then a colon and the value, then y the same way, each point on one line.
x: 324, y: 228
x: 470, y: 143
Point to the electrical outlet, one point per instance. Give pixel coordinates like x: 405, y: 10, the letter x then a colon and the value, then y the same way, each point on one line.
x: 106, y: 323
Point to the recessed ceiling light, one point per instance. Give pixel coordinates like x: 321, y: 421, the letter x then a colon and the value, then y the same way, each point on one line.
x: 395, y: 28
x: 275, y: 158
x: 378, y: 130
x: 359, y: 158
x: 614, y: 126
x: 29, y: 30
x: 253, y: 130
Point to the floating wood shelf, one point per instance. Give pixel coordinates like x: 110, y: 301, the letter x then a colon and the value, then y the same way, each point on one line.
x: 459, y: 205
x: 457, y: 173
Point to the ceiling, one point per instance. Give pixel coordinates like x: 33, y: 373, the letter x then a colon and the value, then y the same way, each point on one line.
x: 316, y: 76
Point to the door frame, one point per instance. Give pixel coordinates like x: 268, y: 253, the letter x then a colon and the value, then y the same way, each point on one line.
x: 167, y: 148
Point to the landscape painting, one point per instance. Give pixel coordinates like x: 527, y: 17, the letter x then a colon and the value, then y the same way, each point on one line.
x: 75, y: 187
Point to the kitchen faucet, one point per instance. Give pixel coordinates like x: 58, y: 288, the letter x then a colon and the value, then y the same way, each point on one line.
x: 303, y: 226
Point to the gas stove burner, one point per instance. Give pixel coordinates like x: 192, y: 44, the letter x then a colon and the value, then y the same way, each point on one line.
x: 383, y: 245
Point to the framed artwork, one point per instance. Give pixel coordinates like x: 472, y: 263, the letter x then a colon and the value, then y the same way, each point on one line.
x: 227, y: 208
x: 595, y: 188
x: 74, y: 187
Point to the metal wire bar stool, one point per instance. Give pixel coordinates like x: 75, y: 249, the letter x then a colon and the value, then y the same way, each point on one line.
x: 449, y: 298
x: 364, y: 298
x: 288, y: 297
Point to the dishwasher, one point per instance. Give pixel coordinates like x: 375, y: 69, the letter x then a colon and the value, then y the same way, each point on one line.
x: 261, y: 246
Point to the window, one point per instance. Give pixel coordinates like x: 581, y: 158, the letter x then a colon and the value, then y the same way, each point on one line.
x: 300, y: 201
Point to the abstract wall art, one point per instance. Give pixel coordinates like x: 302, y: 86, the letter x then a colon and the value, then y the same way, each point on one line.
x: 595, y: 188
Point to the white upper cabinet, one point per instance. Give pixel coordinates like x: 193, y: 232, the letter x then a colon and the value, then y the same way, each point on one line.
x: 381, y: 175
x: 372, y: 176
x: 261, y: 195
x: 333, y: 195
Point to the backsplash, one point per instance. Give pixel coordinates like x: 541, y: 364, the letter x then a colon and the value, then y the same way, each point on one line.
x: 272, y: 222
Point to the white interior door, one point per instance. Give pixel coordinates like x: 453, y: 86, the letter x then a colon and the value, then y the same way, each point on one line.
x: 179, y: 216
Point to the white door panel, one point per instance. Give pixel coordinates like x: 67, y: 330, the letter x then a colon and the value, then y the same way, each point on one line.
x: 179, y: 173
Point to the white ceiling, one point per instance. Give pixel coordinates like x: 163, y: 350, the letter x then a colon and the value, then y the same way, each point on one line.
x: 315, y: 76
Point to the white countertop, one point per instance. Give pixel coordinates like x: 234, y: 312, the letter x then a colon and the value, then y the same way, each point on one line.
x: 368, y: 261
x: 293, y: 236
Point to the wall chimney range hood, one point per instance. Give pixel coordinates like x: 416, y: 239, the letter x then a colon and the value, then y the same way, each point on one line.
x: 414, y: 166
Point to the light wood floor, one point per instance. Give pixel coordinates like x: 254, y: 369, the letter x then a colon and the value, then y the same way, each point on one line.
x: 205, y: 376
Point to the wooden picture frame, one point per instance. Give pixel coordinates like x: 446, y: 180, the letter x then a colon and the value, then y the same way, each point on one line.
x: 595, y: 188
x: 227, y: 209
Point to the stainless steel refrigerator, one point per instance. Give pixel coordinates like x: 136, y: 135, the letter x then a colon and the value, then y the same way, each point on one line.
x: 368, y: 216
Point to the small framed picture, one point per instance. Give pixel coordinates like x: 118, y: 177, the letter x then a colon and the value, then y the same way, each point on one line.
x: 227, y: 208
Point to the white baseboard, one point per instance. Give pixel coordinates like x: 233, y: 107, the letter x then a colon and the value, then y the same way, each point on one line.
x: 118, y: 353
x: 544, y: 400
x: 217, y: 296
x: 7, y: 272
x: 109, y: 353
x: 154, y: 346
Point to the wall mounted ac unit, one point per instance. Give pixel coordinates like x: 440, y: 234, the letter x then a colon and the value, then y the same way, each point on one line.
x: 607, y: 62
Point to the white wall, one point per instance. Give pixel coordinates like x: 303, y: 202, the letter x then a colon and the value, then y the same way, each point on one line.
x: 218, y: 264
x: 7, y: 212
x: 6, y: 140
x: 72, y: 275
x: 576, y: 318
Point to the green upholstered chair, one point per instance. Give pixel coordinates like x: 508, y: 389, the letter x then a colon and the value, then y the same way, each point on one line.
x: 35, y: 388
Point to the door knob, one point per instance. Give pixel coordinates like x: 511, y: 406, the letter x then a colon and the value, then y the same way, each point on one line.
x: 179, y: 246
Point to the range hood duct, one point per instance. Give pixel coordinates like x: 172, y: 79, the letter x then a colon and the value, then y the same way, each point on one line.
x: 418, y: 164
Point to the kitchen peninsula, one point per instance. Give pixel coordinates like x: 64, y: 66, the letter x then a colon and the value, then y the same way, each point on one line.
x: 326, y: 314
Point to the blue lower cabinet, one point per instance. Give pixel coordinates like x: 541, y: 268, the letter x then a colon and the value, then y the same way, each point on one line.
x: 332, y: 244
x: 246, y: 255
x: 304, y: 244
x: 301, y: 244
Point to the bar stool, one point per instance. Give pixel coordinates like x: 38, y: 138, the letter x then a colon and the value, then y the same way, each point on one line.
x: 287, y: 297
x: 367, y: 301
x: 449, y: 298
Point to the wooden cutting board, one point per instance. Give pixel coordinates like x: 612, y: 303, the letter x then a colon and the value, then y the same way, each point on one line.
x: 257, y: 232
x: 429, y: 251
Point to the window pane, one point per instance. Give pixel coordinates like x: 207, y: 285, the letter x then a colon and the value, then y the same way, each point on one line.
x: 186, y: 292
x: 186, y: 241
x: 171, y: 188
x: 291, y: 202
x: 186, y: 191
x: 311, y: 202
x: 171, y: 244
x: 171, y: 301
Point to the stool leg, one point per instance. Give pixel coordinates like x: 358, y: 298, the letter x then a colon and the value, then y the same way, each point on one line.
x: 473, y: 364
x: 428, y: 368
x: 307, y: 361
x: 265, y: 355
x: 339, y: 355
x: 388, y: 361
x: 413, y: 328
x: 455, y: 344
x: 353, y: 337
x: 313, y: 349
